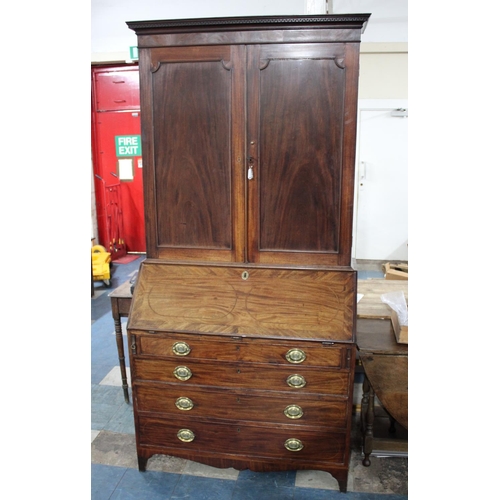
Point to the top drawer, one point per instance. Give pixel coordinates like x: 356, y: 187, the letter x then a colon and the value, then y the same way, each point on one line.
x: 238, y: 349
x: 117, y: 91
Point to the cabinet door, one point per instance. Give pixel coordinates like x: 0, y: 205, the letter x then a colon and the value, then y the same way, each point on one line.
x: 301, y: 138
x: 193, y: 152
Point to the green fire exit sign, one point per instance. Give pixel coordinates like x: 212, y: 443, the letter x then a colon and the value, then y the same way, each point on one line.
x: 128, y: 145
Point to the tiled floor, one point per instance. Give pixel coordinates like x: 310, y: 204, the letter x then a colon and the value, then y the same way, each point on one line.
x: 115, y: 475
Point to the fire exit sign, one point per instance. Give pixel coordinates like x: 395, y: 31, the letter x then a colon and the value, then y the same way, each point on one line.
x: 128, y: 145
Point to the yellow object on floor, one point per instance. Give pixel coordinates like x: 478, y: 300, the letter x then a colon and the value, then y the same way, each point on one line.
x: 100, y: 265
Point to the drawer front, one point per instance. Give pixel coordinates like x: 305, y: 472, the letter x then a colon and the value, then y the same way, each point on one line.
x: 243, y: 375
x: 249, y: 350
x: 285, y: 442
x: 179, y: 401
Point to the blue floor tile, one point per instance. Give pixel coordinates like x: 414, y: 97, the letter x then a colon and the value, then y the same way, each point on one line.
x: 99, y: 371
x: 104, y: 480
x: 277, y: 479
x: 244, y: 491
x: 101, y: 415
x: 149, y: 485
x: 123, y: 419
x: 203, y: 488
x: 106, y: 394
x: 372, y: 496
x: 265, y: 485
x: 316, y: 494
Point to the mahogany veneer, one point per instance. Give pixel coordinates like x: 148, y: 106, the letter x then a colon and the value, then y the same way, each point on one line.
x: 241, y: 328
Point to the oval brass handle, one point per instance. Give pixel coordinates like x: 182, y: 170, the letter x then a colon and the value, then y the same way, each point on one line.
x: 293, y: 411
x: 182, y: 373
x: 293, y: 444
x: 296, y: 381
x: 185, y: 435
x: 295, y: 356
x: 184, y: 404
x: 181, y: 348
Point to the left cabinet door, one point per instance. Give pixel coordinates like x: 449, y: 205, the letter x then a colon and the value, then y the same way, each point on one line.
x: 193, y: 152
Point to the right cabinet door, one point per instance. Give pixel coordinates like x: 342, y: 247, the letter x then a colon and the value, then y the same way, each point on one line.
x: 300, y: 152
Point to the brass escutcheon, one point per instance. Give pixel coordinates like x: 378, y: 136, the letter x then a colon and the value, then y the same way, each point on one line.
x: 293, y: 444
x: 295, y: 356
x: 181, y: 348
x: 245, y: 275
x: 184, y: 404
x: 185, y: 435
x: 296, y: 381
x: 293, y: 411
x: 182, y: 373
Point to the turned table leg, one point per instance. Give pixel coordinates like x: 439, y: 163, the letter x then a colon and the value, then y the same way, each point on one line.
x: 368, y: 416
x: 121, y: 357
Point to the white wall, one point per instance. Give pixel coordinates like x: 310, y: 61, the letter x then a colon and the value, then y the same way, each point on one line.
x: 384, y: 47
x: 110, y: 34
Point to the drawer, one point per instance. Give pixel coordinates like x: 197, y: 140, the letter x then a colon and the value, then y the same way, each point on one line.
x: 257, y: 406
x: 249, y: 441
x: 251, y: 350
x: 243, y: 375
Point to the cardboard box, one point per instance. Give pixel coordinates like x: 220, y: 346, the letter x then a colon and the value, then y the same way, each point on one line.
x: 400, y: 332
x: 396, y: 271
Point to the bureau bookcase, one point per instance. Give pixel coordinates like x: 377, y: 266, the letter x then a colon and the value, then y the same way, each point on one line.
x: 241, y: 330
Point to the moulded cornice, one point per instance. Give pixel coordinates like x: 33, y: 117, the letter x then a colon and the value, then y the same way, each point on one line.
x: 262, y: 22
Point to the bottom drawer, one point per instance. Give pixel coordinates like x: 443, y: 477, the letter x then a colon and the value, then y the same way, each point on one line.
x: 294, y: 441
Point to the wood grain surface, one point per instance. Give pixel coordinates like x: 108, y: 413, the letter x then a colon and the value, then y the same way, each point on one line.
x: 281, y: 303
x: 254, y: 405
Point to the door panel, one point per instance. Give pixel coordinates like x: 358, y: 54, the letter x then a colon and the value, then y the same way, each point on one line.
x: 298, y: 158
x: 193, y: 169
x: 296, y: 102
x: 193, y: 153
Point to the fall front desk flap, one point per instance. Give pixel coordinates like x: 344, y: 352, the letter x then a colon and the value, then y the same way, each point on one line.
x: 245, y: 301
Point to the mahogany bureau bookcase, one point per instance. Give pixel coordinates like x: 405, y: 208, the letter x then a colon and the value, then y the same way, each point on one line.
x: 242, y: 324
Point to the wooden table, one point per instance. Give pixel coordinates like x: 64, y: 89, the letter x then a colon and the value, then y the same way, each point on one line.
x: 121, y: 299
x: 385, y: 363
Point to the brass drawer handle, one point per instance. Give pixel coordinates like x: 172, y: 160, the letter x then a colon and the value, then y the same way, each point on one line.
x: 295, y: 356
x: 182, y: 373
x: 186, y: 435
x: 181, y: 348
x: 293, y: 444
x: 293, y: 411
x: 296, y: 381
x: 184, y: 404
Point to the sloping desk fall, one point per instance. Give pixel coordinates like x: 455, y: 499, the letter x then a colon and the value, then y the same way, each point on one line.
x: 385, y: 364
